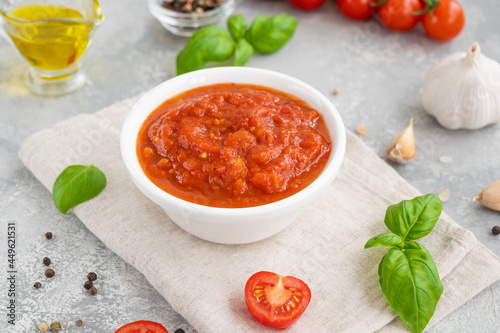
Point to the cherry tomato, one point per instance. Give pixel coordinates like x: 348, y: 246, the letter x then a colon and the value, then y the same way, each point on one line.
x: 307, y: 4
x: 356, y: 9
x: 142, y: 326
x: 398, y: 14
x: 446, y: 21
x: 276, y: 301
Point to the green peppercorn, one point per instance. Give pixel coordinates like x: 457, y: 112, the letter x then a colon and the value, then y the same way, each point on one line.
x: 55, y: 326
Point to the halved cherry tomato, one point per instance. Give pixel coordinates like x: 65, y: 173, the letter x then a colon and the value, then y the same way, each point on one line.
x: 142, y: 326
x: 445, y: 21
x: 276, y: 301
x: 307, y: 4
x: 399, y: 14
x: 356, y: 9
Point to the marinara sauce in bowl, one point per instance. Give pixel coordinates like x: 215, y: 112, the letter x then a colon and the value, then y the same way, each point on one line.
x: 231, y: 154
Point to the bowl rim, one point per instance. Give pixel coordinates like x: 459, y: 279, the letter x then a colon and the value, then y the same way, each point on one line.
x: 155, y: 5
x: 128, y: 143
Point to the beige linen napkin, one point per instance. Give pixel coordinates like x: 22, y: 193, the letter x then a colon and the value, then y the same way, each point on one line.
x: 324, y: 245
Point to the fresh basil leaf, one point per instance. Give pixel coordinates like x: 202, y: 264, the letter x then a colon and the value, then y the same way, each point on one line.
x: 414, y: 219
x: 410, y: 282
x: 211, y: 30
x: 242, y: 52
x: 210, y: 43
x: 268, y: 34
x: 77, y: 184
x: 387, y: 240
x: 237, y: 25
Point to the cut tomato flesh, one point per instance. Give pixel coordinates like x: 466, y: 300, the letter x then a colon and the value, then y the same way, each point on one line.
x: 142, y: 326
x: 276, y: 301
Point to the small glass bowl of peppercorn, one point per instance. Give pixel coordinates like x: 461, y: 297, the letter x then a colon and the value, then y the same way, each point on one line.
x: 184, y: 17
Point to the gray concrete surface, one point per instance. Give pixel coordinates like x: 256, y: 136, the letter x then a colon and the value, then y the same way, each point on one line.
x: 380, y: 75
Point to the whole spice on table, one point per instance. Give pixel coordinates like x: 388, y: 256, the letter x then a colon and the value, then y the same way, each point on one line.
x: 47, y: 261
x: 93, y: 291
x: 490, y: 196
x: 336, y: 91
x: 179, y: 330
x: 461, y: 90
x: 191, y: 6
x: 55, y: 326
x: 496, y: 230
x: 408, y: 260
x: 48, y: 235
x: 43, y: 327
x: 88, y: 284
x: 79, y: 323
x: 49, y: 273
x: 37, y: 285
x: 403, y: 148
x: 92, y: 276
x: 362, y: 129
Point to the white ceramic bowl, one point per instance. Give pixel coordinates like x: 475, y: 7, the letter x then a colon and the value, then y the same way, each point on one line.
x: 232, y: 225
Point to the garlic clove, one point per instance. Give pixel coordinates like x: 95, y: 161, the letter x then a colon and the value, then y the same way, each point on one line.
x: 403, y: 148
x: 463, y: 90
x: 490, y: 196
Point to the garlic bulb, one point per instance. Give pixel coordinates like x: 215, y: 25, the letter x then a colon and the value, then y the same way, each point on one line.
x: 463, y: 90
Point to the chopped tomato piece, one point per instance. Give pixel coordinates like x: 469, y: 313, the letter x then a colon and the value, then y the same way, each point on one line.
x: 276, y: 301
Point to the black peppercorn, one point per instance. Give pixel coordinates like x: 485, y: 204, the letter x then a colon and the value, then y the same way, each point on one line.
x: 49, y: 273
x: 37, y: 285
x: 495, y: 230
x: 92, y: 276
x: 48, y: 235
x: 88, y: 284
x: 179, y: 330
x: 46, y: 261
x: 93, y: 291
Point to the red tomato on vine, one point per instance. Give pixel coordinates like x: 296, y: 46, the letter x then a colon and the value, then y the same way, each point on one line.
x: 307, y: 4
x: 444, y: 19
x: 400, y: 15
x: 356, y: 9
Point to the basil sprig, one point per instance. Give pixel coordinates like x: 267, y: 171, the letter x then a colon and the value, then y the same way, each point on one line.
x: 77, y: 184
x: 212, y: 43
x: 408, y: 276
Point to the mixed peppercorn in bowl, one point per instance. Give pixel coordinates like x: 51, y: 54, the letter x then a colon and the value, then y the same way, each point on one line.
x: 184, y: 17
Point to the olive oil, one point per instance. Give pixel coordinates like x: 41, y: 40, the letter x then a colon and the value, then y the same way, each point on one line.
x: 49, y: 37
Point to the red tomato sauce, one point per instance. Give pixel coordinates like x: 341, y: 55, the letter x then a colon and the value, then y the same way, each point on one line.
x: 233, y: 145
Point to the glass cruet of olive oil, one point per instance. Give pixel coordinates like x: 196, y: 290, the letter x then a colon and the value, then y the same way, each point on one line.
x: 52, y: 36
